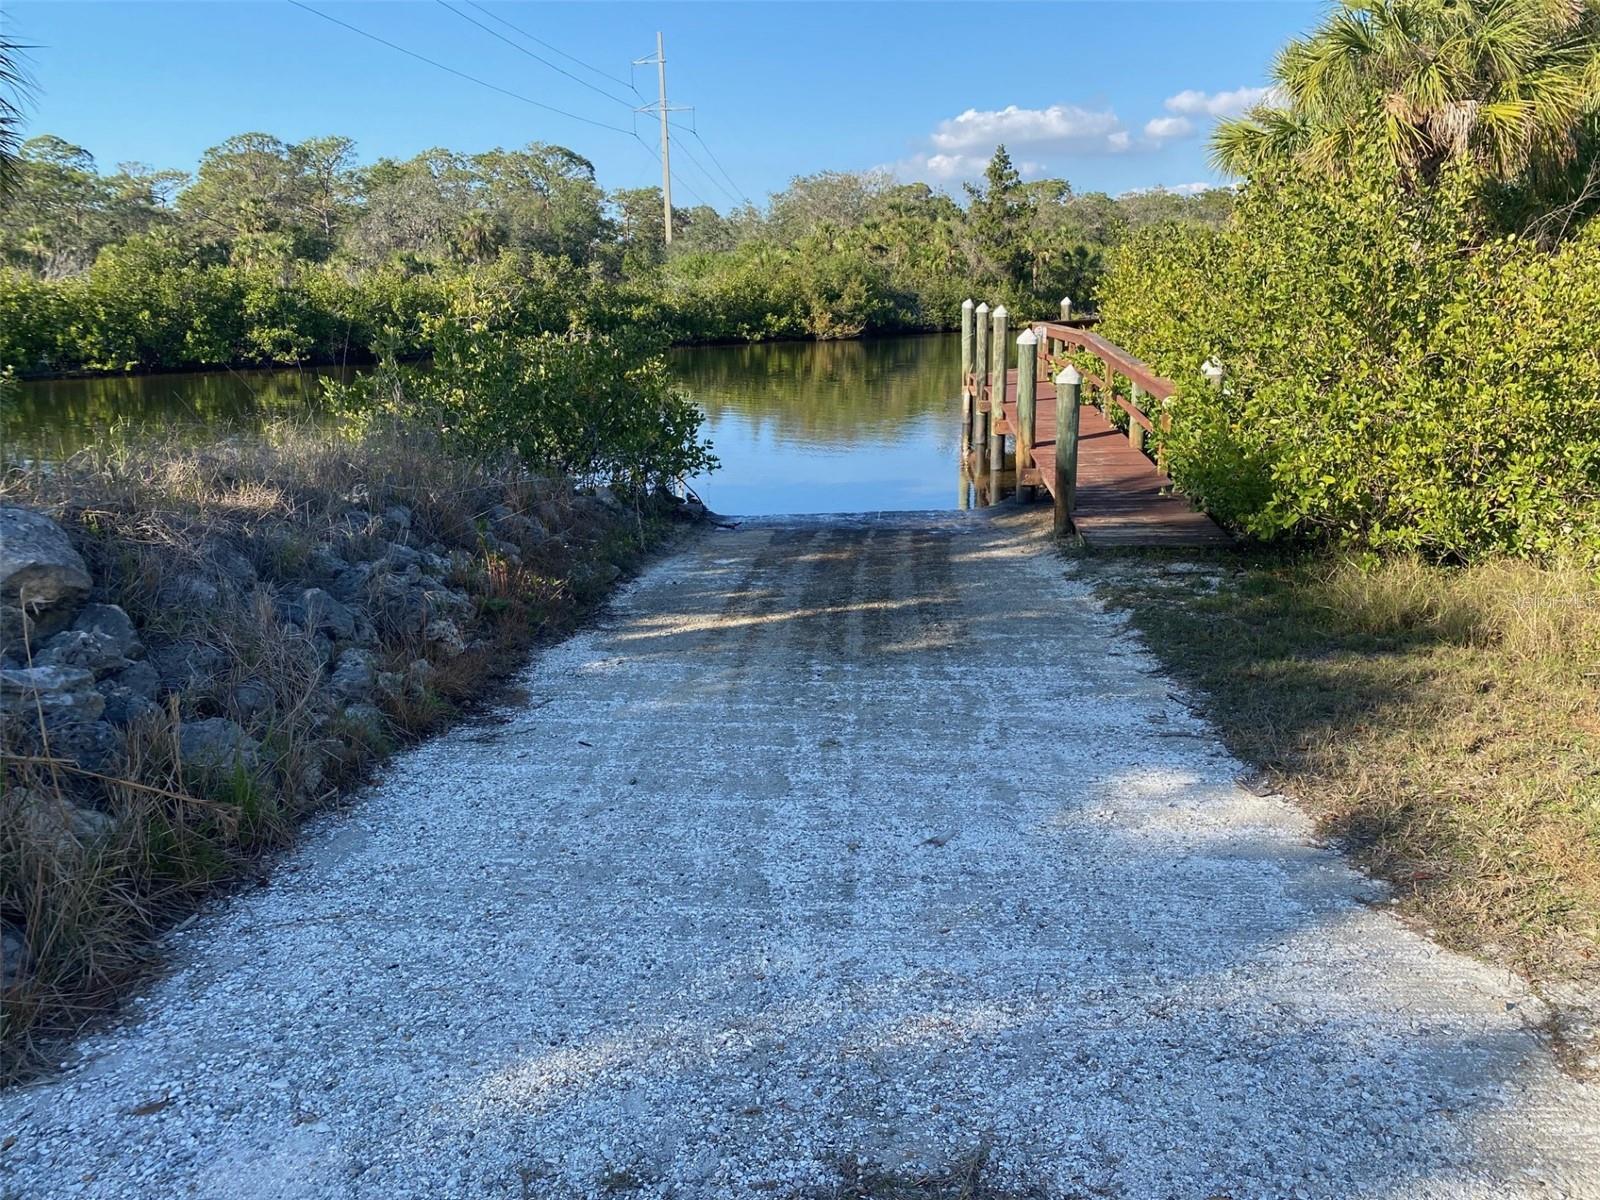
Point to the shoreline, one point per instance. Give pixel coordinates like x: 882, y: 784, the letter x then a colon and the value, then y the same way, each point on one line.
x: 352, y: 362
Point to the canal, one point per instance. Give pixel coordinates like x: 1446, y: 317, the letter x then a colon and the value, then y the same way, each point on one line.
x: 798, y: 426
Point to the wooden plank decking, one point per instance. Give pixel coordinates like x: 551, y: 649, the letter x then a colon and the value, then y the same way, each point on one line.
x: 1122, y: 499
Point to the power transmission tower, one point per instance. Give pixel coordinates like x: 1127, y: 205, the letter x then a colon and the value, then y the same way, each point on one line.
x: 661, y: 106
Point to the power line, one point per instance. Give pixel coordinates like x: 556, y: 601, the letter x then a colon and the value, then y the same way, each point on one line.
x: 536, y: 58
x: 627, y: 83
x: 462, y: 74
x: 677, y: 176
x: 494, y: 87
x: 695, y: 133
x: 709, y: 177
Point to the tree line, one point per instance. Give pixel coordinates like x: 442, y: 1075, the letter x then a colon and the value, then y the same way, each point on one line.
x: 274, y: 251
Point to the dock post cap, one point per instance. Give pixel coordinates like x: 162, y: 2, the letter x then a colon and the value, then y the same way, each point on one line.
x: 1027, y: 338
x: 999, y: 308
x: 1070, y: 376
x: 984, y: 307
x: 967, y: 303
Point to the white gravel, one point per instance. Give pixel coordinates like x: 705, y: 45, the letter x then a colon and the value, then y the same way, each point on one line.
x: 837, y: 841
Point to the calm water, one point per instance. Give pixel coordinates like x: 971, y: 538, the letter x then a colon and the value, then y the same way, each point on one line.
x: 798, y: 426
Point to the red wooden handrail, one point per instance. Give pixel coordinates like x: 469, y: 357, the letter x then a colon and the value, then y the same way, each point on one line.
x: 1117, y: 361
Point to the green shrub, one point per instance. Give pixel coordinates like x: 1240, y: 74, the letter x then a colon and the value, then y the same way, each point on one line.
x: 599, y: 407
x: 1391, y: 378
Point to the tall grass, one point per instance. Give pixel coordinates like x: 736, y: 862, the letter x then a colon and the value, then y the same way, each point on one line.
x: 1442, y: 723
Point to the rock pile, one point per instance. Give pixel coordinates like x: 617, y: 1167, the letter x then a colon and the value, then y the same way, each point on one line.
x: 72, y: 673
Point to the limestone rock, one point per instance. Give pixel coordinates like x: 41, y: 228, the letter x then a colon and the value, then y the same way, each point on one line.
x: 62, y: 694
x: 446, y: 635
x: 354, y: 675
x: 97, y: 653
x: 16, y: 960
x: 321, y: 613
x: 217, y: 744
x: 110, y: 621
x: 39, y: 569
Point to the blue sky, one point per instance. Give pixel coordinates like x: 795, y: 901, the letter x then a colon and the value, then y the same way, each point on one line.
x: 1112, y: 96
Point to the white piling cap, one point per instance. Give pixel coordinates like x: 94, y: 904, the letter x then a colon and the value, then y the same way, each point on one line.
x: 998, y: 309
x: 984, y: 307
x: 1067, y: 300
x: 1069, y: 376
x: 1027, y: 338
x: 967, y: 303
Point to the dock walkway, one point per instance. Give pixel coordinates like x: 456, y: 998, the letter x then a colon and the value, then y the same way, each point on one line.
x: 1121, y: 497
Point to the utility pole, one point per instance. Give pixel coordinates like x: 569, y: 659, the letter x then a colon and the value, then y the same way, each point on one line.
x: 660, y: 62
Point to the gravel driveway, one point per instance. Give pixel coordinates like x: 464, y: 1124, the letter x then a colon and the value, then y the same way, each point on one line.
x: 857, y: 850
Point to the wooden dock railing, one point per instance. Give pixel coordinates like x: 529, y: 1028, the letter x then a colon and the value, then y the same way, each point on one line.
x: 1103, y: 484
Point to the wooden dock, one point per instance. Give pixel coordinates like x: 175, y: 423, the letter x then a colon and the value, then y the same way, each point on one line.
x: 1115, y: 494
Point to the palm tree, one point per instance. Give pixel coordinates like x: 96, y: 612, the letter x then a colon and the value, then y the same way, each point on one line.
x: 13, y: 88
x: 1510, y: 87
x: 479, y: 237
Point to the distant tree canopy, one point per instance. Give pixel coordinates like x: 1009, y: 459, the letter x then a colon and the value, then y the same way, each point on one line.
x: 258, y: 200
x: 278, y: 251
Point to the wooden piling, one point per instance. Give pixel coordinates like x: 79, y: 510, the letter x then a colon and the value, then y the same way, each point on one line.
x: 1069, y: 385
x: 998, y: 345
x: 1027, y: 397
x: 980, y: 368
x: 967, y: 336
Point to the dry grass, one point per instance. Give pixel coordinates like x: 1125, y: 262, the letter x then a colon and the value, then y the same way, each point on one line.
x: 255, y: 518
x: 1443, y: 724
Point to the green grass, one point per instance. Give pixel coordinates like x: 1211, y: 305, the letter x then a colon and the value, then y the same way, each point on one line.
x: 1442, y: 725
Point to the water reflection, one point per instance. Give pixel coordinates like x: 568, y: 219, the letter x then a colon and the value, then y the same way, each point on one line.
x: 798, y: 426
x: 51, y: 417
x: 828, y: 426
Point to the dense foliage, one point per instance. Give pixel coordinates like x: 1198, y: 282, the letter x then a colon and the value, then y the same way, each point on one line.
x: 1505, y: 93
x: 599, y: 408
x: 292, y: 253
x: 1394, y: 374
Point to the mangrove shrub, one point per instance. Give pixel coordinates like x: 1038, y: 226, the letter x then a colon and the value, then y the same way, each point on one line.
x: 1393, y: 374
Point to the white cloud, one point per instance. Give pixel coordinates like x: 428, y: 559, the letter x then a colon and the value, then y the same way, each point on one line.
x: 945, y: 166
x: 1165, y: 129
x: 959, y: 147
x: 1195, y: 103
x: 1059, y: 127
x: 1179, y: 189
